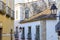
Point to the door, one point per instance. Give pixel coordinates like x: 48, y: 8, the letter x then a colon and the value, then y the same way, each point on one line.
x: 0, y: 33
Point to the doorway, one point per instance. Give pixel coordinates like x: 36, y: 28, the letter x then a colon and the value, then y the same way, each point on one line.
x: 0, y: 33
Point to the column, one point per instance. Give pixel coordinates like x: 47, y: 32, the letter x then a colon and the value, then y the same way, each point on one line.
x: 43, y: 29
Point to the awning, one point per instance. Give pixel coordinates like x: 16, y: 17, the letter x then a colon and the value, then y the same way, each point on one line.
x: 45, y: 15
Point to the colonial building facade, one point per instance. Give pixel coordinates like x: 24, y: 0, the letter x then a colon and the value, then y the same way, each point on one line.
x: 6, y: 19
x: 38, y: 20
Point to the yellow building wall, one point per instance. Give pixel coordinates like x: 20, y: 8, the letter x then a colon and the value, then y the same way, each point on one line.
x: 7, y: 24
x: 6, y: 38
x: 4, y: 1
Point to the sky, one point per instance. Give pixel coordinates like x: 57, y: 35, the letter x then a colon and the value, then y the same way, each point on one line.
x: 21, y: 1
x: 17, y: 1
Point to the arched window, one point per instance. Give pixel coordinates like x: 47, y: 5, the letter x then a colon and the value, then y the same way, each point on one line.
x: 27, y: 12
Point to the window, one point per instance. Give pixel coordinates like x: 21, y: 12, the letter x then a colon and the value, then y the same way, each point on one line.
x: 37, y: 37
x: 16, y: 14
x: 29, y: 33
x: 16, y: 34
x: 23, y: 34
x: 27, y: 12
x: 21, y: 13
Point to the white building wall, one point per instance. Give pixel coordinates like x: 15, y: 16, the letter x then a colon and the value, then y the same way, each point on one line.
x: 33, y: 29
x: 50, y: 30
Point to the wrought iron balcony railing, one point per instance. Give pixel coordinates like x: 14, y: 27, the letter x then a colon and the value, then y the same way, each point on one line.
x: 2, y: 7
x: 8, y: 11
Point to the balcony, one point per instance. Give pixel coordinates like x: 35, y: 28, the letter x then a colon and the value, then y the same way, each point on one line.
x: 12, y: 14
x: 8, y: 11
x: 2, y: 7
